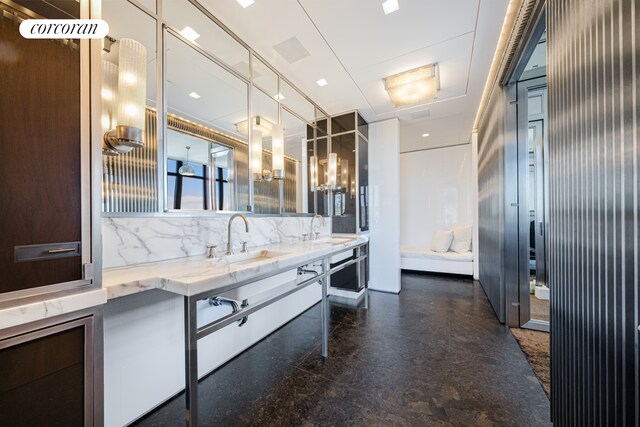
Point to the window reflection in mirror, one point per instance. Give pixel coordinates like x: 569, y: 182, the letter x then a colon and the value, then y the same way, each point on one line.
x: 207, y: 185
x: 208, y: 105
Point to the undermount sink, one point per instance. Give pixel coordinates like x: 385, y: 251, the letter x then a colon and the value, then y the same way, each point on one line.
x: 250, y: 257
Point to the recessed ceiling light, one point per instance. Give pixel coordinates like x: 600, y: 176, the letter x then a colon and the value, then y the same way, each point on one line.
x: 278, y: 97
x: 189, y: 33
x: 245, y: 3
x: 194, y: 95
x: 424, y: 135
x: 322, y: 82
x: 390, y: 6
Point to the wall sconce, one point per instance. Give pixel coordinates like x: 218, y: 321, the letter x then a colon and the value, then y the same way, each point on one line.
x: 313, y: 169
x: 129, y: 99
x: 413, y: 86
x: 277, y: 148
x: 332, y: 171
x: 108, y: 95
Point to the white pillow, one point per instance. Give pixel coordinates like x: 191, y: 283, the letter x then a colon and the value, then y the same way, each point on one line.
x: 461, y: 238
x: 441, y: 241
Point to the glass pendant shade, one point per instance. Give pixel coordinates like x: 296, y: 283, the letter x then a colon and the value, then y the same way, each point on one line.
x: 132, y: 85
x: 256, y: 154
x: 332, y: 169
x: 187, y: 169
x: 277, y: 148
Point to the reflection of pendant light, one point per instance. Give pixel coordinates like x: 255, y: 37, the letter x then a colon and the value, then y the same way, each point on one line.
x: 277, y: 148
x: 332, y: 171
x: 256, y: 155
x: 130, y: 99
x: 313, y: 168
x: 187, y: 170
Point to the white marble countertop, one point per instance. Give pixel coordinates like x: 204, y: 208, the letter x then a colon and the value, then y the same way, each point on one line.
x: 19, y: 315
x: 196, y: 274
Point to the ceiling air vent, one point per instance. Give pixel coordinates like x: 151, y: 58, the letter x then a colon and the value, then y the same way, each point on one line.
x: 292, y: 50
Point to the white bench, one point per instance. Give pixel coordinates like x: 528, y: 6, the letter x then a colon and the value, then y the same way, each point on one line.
x: 424, y: 259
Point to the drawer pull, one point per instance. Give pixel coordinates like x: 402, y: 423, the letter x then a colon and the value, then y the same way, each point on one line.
x: 61, y: 250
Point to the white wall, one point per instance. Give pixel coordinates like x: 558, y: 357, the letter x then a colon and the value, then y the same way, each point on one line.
x: 435, y: 192
x: 384, y: 205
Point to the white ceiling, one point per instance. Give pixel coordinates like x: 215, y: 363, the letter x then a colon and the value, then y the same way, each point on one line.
x: 353, y: 45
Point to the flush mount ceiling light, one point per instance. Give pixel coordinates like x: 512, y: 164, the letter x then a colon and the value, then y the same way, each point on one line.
x: 245, y: 3
x: 322, y: 82
x: 259, y: 123
x: 194, y: 95
x: 413, y: 86
x: 390, y: 6
x: 189, y: 34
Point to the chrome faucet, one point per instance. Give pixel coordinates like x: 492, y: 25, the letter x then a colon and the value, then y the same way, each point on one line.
x: 246, y: 224
x: 311, y: 232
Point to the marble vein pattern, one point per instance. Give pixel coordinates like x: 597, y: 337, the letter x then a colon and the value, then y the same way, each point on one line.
x: 196, y: 274
x: 14, y: 316
x: 129, y: 241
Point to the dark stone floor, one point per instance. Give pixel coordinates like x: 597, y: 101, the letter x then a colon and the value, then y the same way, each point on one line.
x: 433, y: 355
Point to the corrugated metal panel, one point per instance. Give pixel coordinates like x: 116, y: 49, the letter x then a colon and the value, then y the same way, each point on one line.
x: 491, y: 201
x: 594, y: 254
x: 129, y: 181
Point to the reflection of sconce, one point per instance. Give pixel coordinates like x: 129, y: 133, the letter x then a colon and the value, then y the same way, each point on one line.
x: 332, y: 171
x: 344, y: 175
x: 353, y: 188
x: 256, y: 158
x: 277, y: 148
x: 313, y: 168
x: 129, y: 99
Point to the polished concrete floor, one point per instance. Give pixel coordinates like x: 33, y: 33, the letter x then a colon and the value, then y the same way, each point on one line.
x: 433, y: 355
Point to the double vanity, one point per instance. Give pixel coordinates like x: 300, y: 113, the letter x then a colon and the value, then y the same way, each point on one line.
x: 247, y: 281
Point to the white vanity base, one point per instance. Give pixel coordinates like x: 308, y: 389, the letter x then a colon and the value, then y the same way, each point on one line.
x: 144, y: 346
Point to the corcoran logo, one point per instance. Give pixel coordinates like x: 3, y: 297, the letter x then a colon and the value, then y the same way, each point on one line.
x: 64, y: 28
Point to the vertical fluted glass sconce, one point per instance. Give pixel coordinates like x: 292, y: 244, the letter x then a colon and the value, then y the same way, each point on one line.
x: 256, y: 155
x: 332, y: 170
x: 130, y: 97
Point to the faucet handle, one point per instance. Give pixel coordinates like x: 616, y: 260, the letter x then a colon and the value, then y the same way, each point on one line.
x: 244, y: 248
x: 305, y: 237
x: 211, y: 251
x: 317, y: 233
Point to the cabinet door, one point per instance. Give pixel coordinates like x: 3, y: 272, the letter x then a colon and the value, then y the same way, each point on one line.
x: 40, y: 142
x: 47, y: 376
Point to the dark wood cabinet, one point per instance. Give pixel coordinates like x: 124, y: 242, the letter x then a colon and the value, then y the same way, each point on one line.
x: 46, y: 376
x: 41, y: 143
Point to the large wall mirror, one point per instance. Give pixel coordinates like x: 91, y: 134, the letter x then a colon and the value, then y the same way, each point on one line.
x: 206, y: 148
x: 219, y: 130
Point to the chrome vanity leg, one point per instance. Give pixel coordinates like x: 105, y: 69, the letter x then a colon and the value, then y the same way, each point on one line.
x: 191, y: 361
x: 324, y: 307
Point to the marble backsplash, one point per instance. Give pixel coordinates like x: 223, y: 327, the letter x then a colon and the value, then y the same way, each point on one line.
x: 135, y: 240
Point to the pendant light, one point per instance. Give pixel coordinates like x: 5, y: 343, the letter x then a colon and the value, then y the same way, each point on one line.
x: 187, y: 170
